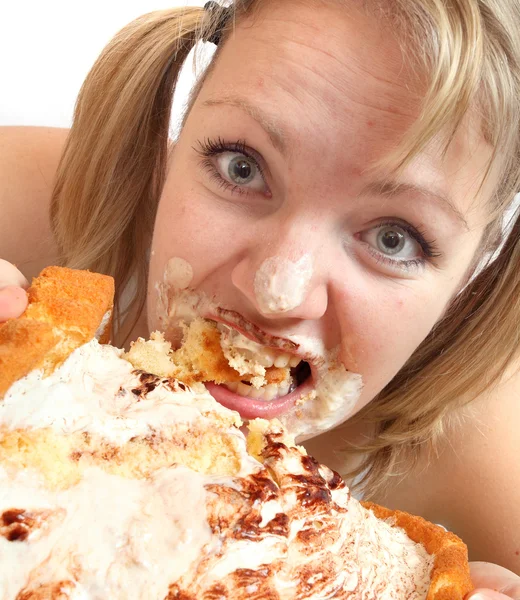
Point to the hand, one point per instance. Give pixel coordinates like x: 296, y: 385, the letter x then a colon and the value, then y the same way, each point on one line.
x: 493, y: 582
x: 13, y: 298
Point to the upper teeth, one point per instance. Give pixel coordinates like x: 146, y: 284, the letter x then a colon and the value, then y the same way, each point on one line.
x: 284, y: 360
x: 251, y: 360
x: 268, y: 392
x: 269, y: 358
x: 235, y: 344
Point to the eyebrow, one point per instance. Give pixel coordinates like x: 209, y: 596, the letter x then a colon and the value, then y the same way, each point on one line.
x: 387, y: 188
x: 268, y: 124
x: 391, y: 189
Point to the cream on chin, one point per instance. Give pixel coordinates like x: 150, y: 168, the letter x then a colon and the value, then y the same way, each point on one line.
x: 329, y: 402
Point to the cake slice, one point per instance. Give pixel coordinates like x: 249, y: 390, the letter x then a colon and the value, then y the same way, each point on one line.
x: 119, y: 480
x: 67, y: 308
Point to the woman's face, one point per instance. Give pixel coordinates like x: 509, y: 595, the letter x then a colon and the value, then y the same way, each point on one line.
x: 272, y: 208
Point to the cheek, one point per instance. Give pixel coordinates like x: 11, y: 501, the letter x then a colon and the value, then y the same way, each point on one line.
x: 380, y: 330
x: 194, y: 227
x: 185, y: 228
x: 179, y: 254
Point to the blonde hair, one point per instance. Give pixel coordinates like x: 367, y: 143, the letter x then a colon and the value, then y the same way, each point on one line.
x: 114, y: 166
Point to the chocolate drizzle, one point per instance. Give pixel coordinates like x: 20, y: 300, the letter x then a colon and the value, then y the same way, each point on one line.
x: 298, y: 509
x: 148, y: 383
x: 17, y: 524
x: 59, y: 590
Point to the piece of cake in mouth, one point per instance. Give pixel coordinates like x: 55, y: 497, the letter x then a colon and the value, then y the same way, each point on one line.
x: 257, y: 374
x: 116, y: 482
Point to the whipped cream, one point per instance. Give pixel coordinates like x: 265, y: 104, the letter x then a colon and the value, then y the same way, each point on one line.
x: 93, y: 392
x: 110, y: 537
x: 335, y: 395
x: 178, y: 273
x: 286, y: 529
x: 103, y: 325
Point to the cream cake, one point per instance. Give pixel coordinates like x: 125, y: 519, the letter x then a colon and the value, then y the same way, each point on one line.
x: 120, y: 480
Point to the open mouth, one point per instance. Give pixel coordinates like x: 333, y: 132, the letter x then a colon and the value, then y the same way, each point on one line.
x: 259, y: 375
x: 269, y: 401
x: 297, y: 375
x: 264, y: 380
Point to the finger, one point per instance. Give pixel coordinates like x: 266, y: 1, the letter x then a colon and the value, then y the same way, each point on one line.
x: 487, y: 594
x: 489, y: 575
x: 10, y: 275
x: 13, y: 302
x: 493, y: 582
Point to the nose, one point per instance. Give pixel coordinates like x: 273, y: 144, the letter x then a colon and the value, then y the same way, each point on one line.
x: 282, y: 276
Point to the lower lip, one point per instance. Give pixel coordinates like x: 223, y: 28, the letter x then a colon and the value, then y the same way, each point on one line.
x: 249, y: 408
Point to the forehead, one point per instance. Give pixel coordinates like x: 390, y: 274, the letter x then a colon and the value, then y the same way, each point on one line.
x: 333, y: 81
x: 319, y: 65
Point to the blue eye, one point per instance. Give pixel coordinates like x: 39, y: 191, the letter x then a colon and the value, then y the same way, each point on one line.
x: 394, y: 241
x: 234, y: 166
x: 399, y: 245
x: 240, y: 170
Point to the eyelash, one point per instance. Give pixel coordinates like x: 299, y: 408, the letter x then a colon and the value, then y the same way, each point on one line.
x: 429, y: 247
x: 209, y: 148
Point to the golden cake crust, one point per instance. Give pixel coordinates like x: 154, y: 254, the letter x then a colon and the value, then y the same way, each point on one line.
x: 66, y: 308
x: 450, y: 577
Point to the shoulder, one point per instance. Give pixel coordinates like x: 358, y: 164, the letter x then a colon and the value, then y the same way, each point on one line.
x: 471, y: 484
x: 43, y: 144
x: 29, y: 157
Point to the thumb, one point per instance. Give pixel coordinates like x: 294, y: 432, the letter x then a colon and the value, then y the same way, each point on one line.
x: 13, y: 299
x: 13, y: 302
x: 10, y: 275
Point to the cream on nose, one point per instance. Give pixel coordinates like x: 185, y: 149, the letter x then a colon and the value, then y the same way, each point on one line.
x: 281, y: 285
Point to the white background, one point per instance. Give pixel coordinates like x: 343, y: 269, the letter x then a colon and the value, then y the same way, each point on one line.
x: 48, y: 46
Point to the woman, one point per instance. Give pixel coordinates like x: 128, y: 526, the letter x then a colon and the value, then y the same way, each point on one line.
x: 341, y: 178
